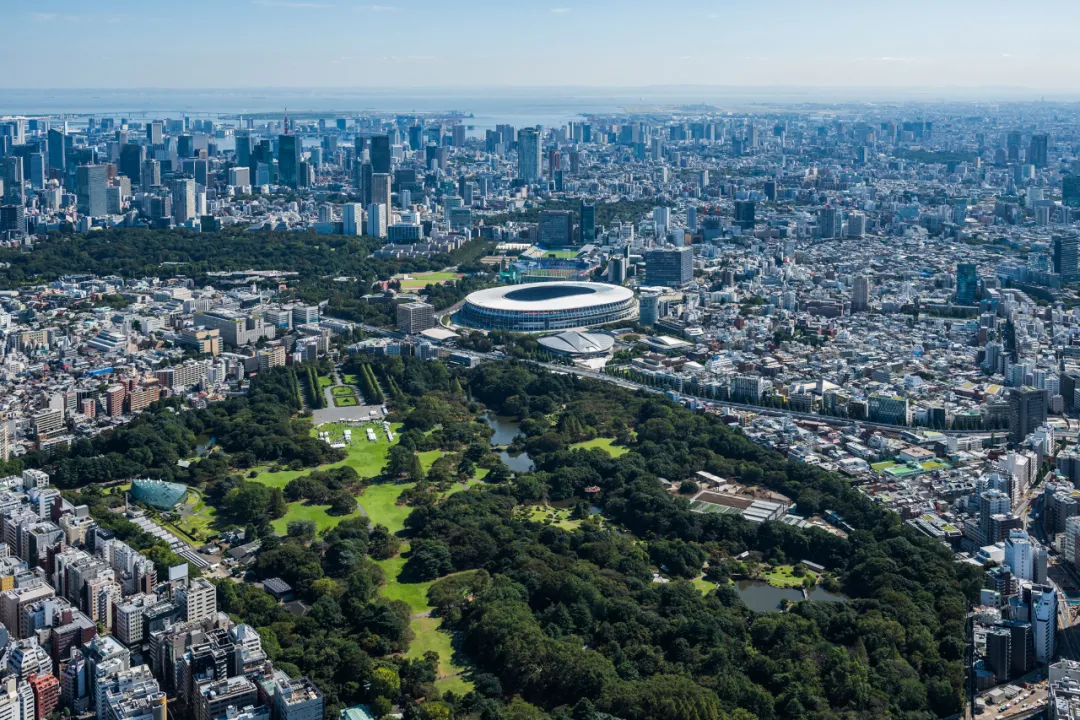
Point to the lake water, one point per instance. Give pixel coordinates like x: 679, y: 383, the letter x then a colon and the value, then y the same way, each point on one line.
x: 763, y: 597
x: 506, y: 429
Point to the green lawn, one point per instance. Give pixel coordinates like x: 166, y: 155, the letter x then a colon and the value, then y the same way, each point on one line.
x: 561, y: 254
x: 380, y: 502
x: 604, y: 444
x: 349, y: 401
x: 305, y: 511
x: 560, y: 517
x: 782, y: 576
x: 418, y: 281
x: 365, y: 457
x: 879, y: 466
x: 704, y: 585
x: 342, y: 391
x: 350, y: 379
x: 428, y: 636
x: 413, y: 594
x: 325, y: 381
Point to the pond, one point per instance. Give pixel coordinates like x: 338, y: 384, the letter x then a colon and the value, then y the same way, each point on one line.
x: 206, y: 443
x: 763, y: 597
x: 506, y: 429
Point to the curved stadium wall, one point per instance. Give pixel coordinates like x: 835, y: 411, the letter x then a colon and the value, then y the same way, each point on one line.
x: 540, y: 307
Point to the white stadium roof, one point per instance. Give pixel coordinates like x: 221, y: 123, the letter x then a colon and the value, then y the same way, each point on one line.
x: 549, y: 296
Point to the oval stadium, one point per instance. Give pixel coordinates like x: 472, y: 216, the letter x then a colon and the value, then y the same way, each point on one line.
x: 538, y: 307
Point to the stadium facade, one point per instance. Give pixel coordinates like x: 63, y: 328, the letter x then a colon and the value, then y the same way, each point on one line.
x: 540, y: 307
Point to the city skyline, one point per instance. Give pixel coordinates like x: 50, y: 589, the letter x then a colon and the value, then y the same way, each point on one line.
x: 278, y: 43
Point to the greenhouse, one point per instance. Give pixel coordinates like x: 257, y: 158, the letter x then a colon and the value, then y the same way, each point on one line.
x: 158, y: 493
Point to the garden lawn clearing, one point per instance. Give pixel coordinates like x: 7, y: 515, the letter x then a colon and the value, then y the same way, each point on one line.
x: 783, y: 576
x: 349, y: 401
x: 419, y: 281
x: 342, y: 391
x: 604, y: 444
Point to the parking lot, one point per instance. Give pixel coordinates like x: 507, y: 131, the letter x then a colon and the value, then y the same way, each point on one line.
x: 1025, y: 702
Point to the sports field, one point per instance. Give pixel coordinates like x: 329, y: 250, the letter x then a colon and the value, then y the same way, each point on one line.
x: 419, y: 281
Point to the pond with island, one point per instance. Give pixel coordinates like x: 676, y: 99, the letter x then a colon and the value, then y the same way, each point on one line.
x: 763, y: 597
x: 506, y: 429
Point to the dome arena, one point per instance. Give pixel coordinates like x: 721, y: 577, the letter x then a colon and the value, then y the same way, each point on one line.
x: 539, y: 307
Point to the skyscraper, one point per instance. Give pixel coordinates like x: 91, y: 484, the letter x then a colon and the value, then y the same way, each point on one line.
x: 132, y: 157
x: 289, y: 153
x: 14, y: 187
x: 588, y: 223
x: 1044, y: 614
x: 860, y: 294
x: 154, y: 132
x: 1037, y: 151
x: 380, y: 189
x: 90, y: 184
x: 1027, y: 411
x: 1066, y: 254
x: 380, y: 154
x: 352, y: 219
x: 376, y: 220
x: 38, y: 175
x: 1070, y: 191
x: 57, y: 152
x: 245, y: 147
x: 745, y: 214
x: 967, y: 283
x: 529, y: 154
x: 151, y: 174
x: 183, y: 192
x: 669, y: 266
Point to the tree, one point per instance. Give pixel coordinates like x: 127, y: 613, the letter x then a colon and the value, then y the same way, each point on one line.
x: 301, y: 529
x: 429, y: 560
x: 385, y: 682
x: 278, y: 507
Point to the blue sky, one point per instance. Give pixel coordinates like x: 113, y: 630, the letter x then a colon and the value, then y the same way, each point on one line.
x: 432, y: 43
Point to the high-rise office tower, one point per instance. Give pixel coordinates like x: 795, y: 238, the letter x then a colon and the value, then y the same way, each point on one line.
x: 365, y: 181
x: 1038, y: 151
x: 38, y: 175
x: 1020, y: 554
x: 1044, y: 615
x: 352, y: 219
x: 1012, y: 146
x: 154, y: 132
x: 745, y: 214
x: 132, y: 157
x: 416, y: 137
x: 669, y: 266
x: 661, y: 221
x: 183, y: 200
x: 588, y: 223
x: 1066, y: 254
x: 1027, y: 411
x: 1070, y: 191
x: 57, y: 152
x: 380, y: 189
x: 380, y: 154
x: 458, y: 135
x: 860, y: 294
x: 185, y: 146
x: 289, y: 158
x: 90, y: 184
x: 14, y: 181
x: 245, y: 148
x: 967, y: 283
x: 829, y: 222
x: 151, y: 174
x: 376, y: 220
x: 529, y: 154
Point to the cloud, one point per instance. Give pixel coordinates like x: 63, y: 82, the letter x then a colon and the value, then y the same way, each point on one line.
x: 891, y: 59
x: 1006, y: 55
x: 560, y: 11
x: 381, y: 8
x: 43, y: 17
x: 295, y: 5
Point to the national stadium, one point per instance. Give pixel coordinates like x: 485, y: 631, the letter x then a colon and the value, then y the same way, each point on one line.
x: 538, y: 307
